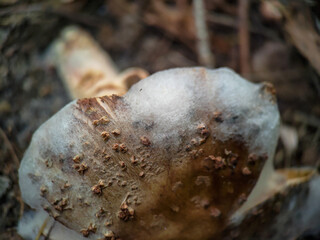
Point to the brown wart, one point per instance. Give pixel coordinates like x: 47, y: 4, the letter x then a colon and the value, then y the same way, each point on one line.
x: 246, y: 171
x: 43, y: 190
x: 126, y: 213
x: 102, y: 121
x: 105, y: 135
x: 60, y: 204
x: 97, y: 189
x: 109, y: 235
x: 81, y: 168
x: 77, y: 158
x: 133, y: 160
x: 116, y: 132
x: 123, y: 148
x: 217, y: 117
x: 211, y: 163
x: 115, y: 147
x: 145, y: 141
x: 91, y: 229
x: 101, y: 213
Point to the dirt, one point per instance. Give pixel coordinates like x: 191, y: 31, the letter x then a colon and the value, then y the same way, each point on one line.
x: 153, y: 35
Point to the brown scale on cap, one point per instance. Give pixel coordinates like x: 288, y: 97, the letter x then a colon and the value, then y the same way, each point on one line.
x: 145, y: 141
x: 246, y: 171
x: 77, y: 159
x: 97, y: 189
x: 103, y: 120
x: 91, y: 229
x: 81, y: 168
x: 116, y: 132
x: 105, y: 135
x: 126, y: 213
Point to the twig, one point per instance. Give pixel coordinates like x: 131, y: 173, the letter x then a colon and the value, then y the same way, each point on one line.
x: 205, y: 55
x: 232, y: 22
x: 244, y: 39
x: 10, y: 147
x: 81, y: 18
x: 43, y: 226
x: 16, y: 163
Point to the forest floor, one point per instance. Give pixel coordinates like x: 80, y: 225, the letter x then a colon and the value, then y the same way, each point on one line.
x: 263, y: 42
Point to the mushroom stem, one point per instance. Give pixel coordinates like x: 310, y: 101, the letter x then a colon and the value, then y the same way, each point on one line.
x: 86, y: 69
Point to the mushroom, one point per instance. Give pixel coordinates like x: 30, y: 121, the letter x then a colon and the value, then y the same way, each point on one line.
x: 189, y: 148
x: 186, y: 153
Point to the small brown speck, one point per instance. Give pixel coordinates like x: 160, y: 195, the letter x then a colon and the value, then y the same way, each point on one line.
x: 46, y: 208
x: 202, y: 140
x: 175, y: 208
x: 109, y: 235
x: 217, y: 116
x: 107, y: 157
x: 126, y: 213
x: 85, y: 232
x: 123, y: 148
x: 115, y: 147
x: 122, y: 164
x: 176, y: 186
x: 194, y: 154
x: 48, y: 163
x: 203, y: 180
x: 213, y: 163
x: 133, y: 160
x: 201, y: 126
x: 242, y: 198
x: 233, y: 160
x: 204, y: 131
x: 81, y: 168
x: 145, y: 141
x: 55, y: 215
x: 91, y: 229
x: 116, y: 132
x: 66, y: 185
x: 205, y: 203
x: 108, y: 223
x: 227, y: 152
x: 43, y: 190
x: 97, y: 189
x: 77, y: 159
x: 200, y: 151
x: 100, y: 213
x: 252, y: 158
x: 64, y: 202
x: 60, y: 204
x: 103, y: 120
x: 105, y: 135
x: 141, y: 174
x: 246, y: 171
x: 214, y: 212
x: 188, y: 148
x: 124, y: 183
x: 194, y: 142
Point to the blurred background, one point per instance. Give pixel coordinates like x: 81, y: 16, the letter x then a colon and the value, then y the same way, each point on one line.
x: 277, y: 41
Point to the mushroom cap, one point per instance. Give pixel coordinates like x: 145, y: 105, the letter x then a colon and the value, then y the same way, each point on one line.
x: 174, y: 158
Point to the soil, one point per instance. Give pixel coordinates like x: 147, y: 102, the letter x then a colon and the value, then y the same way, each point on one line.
x: 153, y: 35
